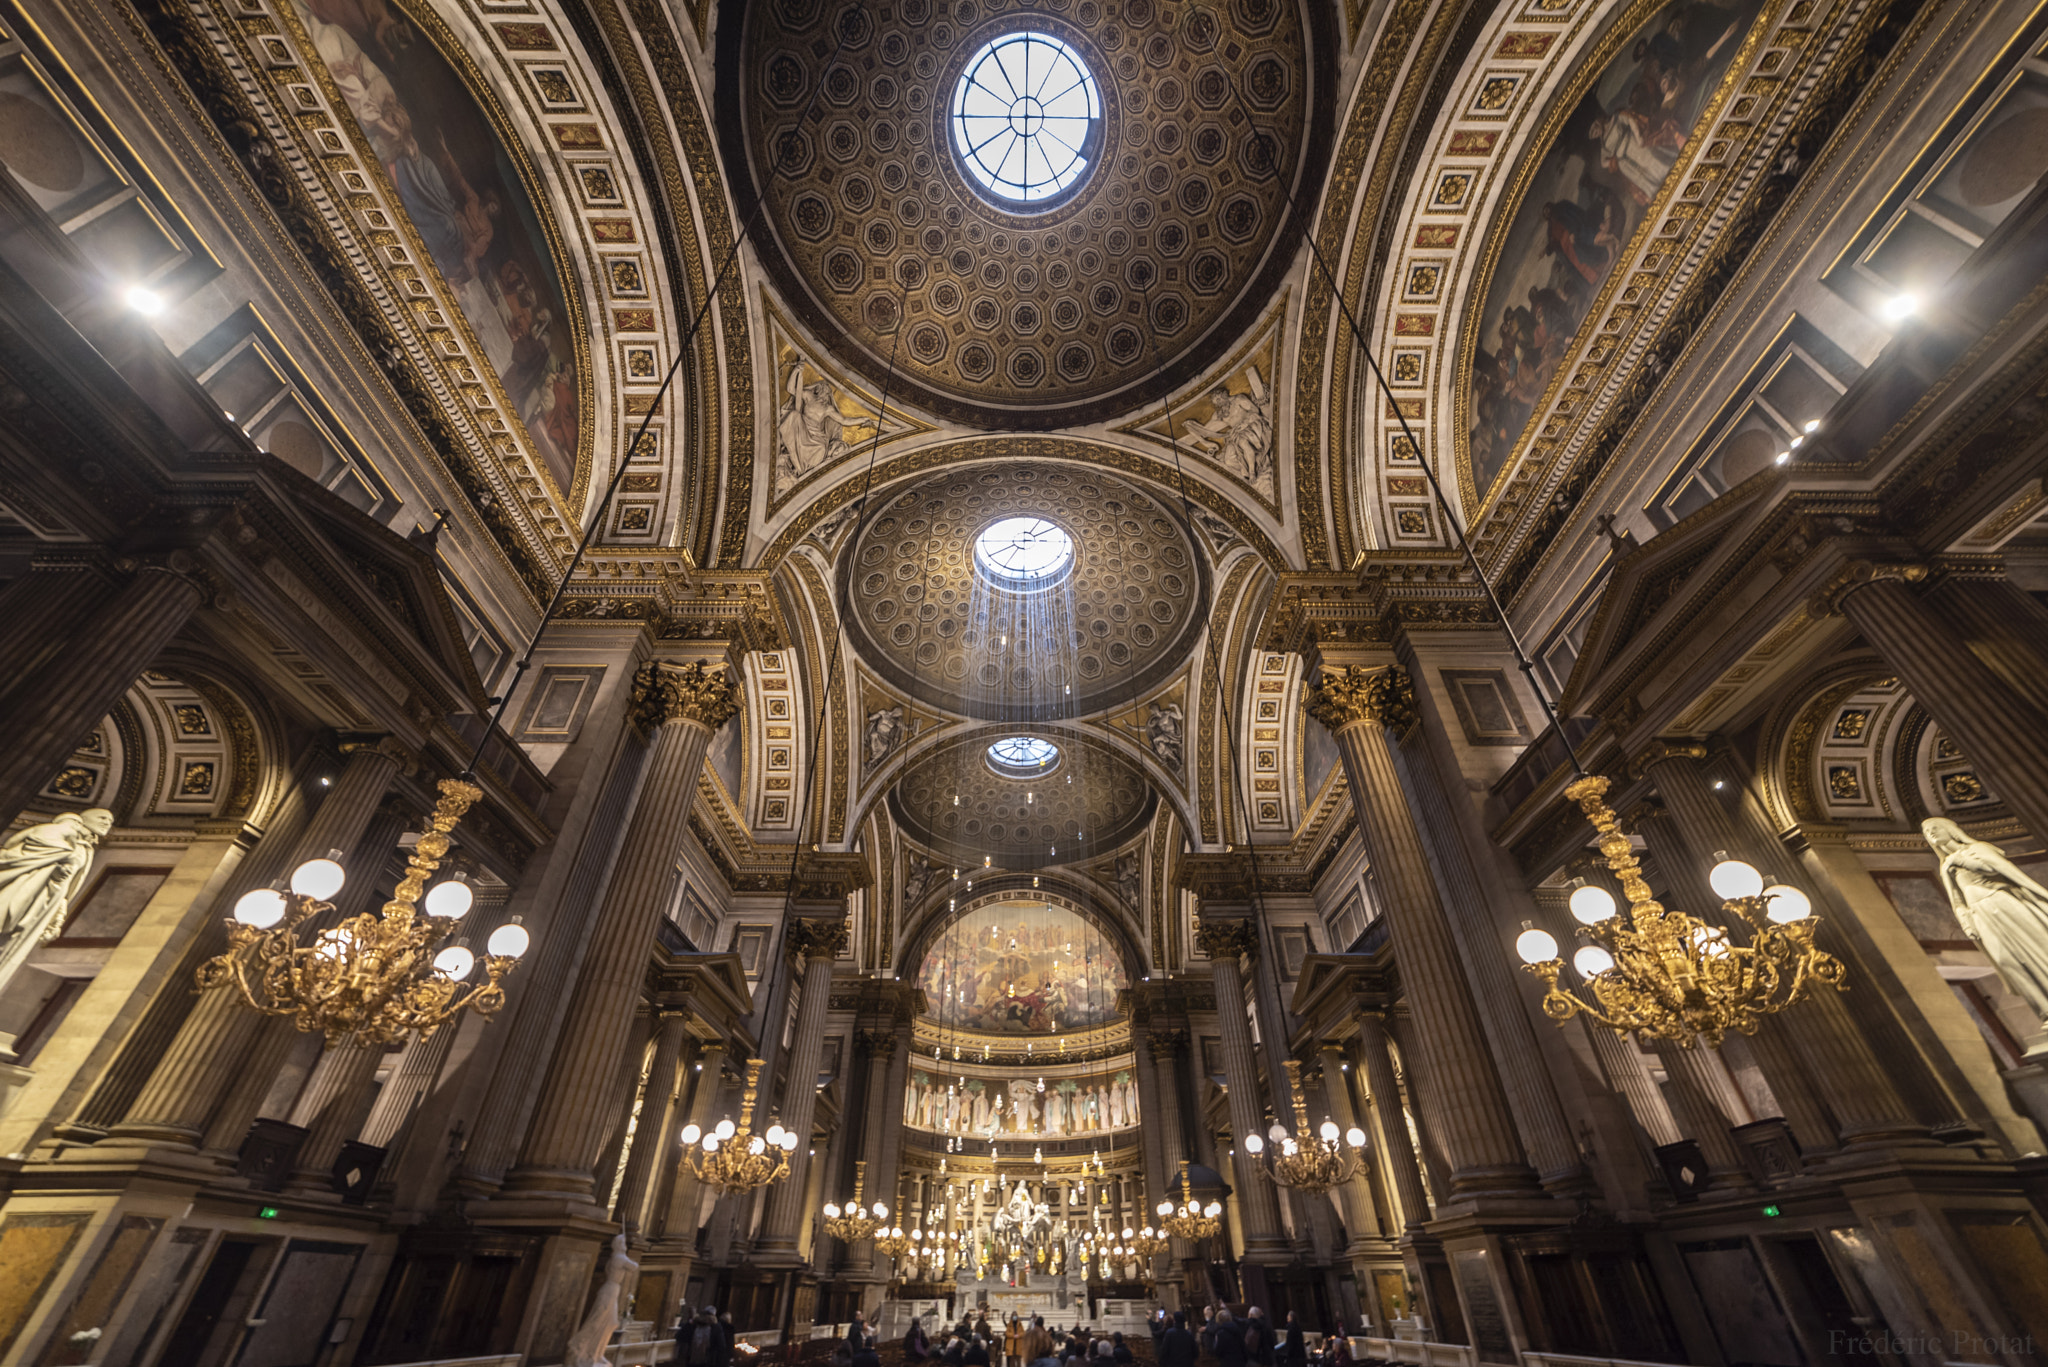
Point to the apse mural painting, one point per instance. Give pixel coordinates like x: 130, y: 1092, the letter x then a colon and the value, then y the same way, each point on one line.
x: 1587, y: 197
x: 468, y: 204
x: 1021, y: 968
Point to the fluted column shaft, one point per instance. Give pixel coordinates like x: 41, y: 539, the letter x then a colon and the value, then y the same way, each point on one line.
x: 52, y: 707
x: 1477, y: 911
x: 885, y: 1153
x: 1866, y: 1106
x: 207, y: 1058
x: 1627, y: 1074
x: 1485, y: 1152
x: 2003, y: 736
x: 783, y: 1222
x: 1160, y: 1058
x: 333, y: 1106
x: 275, y: 1040
x: 683, y: 1201
x: 1797, y: 1097
x: 2006, y: 626
x: 40, y: 610
x: 651, y: 1132
x: 1692, y: 1089
x: 1390, y: 1120
x: 567, y: 1133
x: 1258, y: 1213
x: 1354, y: 1197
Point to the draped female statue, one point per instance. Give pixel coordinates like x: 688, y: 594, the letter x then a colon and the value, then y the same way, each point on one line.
x: 1999, y: 907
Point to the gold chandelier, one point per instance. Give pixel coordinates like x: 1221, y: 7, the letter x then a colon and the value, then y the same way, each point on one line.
x: 1148, y: 1243
x: 857, y: 1221
x: 372, y: 978
x: 1670, y: 976
x: 1307, y: 1161
x: 1190, y: 1219
x: 733, y: 1158
x: 893, y: 1241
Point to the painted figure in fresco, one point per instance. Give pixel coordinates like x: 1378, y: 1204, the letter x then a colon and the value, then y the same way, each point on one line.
x: 1588, y: 196
x: 1999, y: 906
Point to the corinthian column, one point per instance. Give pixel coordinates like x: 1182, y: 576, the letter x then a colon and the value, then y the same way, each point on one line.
x: 1854, y: 1087
x: 815, y: 935
x: 50, y: 709
x: 1222, y: 887
x: 1390, y: 1120
x: 1359, y: 706
x: 207, y: 1057
x: 2002, y: 735
x: 652, y: 1133
x: 682, y: 705
x: 1354, y: 1197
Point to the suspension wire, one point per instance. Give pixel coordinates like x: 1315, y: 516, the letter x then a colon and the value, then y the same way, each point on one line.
x: 1266, y: 144
x: 1236, y: 769
x: 525, y: 661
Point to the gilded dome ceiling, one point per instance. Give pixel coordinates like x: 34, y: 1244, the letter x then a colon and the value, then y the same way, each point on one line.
x: 1156, y: 249
x: 954, y: 801
x: 1122, y: 613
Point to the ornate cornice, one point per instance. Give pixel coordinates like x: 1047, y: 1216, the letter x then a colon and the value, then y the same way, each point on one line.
x: 828, y: 876
x: 1355, y: 693
x: 1224, y: 878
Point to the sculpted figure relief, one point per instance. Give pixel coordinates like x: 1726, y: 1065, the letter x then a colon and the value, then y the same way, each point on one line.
x: 1163, y: 728
x: 1999, y: 906
x: 1239, y: 434
x: 810, y: 431
x: 885, y: 728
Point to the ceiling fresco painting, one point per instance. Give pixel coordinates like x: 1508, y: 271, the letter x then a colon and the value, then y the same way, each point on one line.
x: 1578, y: 210
x: 469, y: 205
x: 1021, y: 968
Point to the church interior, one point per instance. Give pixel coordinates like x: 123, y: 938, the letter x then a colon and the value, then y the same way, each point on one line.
x: 877, y: 662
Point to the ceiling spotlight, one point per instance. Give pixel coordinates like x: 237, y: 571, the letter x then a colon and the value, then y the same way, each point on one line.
x: 1798, y: 442
x: 1812, y: 426
x: 1783, y: 457
x: 1901, y: 306
x: 146, y: 302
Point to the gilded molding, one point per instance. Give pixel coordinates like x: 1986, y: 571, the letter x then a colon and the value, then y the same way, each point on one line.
x: 1656, y: 752
x: 1854, y: 575
x: 1356, y: 693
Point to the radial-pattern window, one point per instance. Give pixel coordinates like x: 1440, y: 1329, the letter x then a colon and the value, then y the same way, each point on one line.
x: 1027, y: 118
x: 1024, y: 552
x: 1023, y: 756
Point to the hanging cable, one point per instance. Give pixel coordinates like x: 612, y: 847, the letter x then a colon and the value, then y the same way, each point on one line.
x: 525, y: 661
x: 1264, y: 151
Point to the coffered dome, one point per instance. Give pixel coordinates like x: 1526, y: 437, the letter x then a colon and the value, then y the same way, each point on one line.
x: 956, y: 802
x: 1024, y: 591
x: 1019, y: 254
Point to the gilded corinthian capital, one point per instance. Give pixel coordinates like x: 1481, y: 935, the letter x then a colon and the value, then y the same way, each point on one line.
x: 809, y: 939
x: 1227, y: 939
x: 690, y: 692
x: 1355, y: 693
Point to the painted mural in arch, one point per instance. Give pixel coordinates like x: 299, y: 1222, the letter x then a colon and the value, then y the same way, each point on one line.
x: 469, y: 204
x: 1577, y: 212
x: 1021, y: 968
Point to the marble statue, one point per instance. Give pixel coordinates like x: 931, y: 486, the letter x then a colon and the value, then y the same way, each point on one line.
x: 587, y: 1344
x: 1164, y: 729
x: 42, y: 868
x: 918, y: 876
x: 1999, y: 907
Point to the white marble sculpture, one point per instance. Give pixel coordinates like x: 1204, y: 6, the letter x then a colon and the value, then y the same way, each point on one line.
x: 810, y: 432
x: 1164, y: 729
x: 42, y: 868
x: 587, y: 1344
x: 1999, y: 907
x: 1239, y: 433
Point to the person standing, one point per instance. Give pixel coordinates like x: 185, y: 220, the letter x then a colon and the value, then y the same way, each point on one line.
x: 1013, y: 1342
x: 1293, y: 1344
x: 1177, y: 1347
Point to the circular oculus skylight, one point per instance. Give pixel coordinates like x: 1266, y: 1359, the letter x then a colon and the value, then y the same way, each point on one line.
x: 1027, y: 119
x: 1024, y: 552
x: 1023, y: 756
